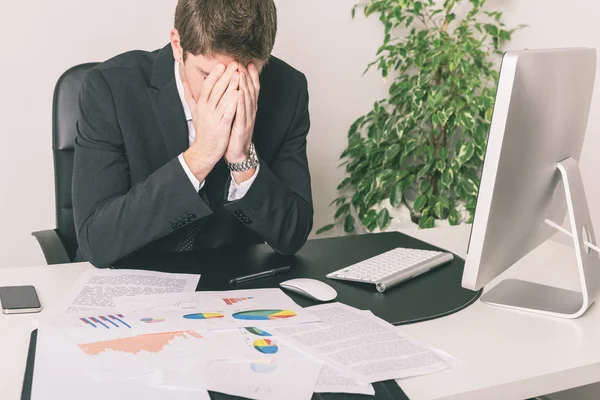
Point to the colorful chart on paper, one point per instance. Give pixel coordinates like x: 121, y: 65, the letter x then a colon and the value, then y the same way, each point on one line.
x: 265, y: 346
x: 150, y: 320
x: 234, y: 300
x: 154, y: 343
x: 264, y: 366
x: 262, y: 315
x: 109, y: 321
x: 258, y: 332
x: 203, y: 316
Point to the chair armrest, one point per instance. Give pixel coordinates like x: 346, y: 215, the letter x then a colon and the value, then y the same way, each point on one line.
x: 52, y: 246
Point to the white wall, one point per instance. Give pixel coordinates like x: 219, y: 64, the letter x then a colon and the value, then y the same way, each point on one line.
x: 42, y: 39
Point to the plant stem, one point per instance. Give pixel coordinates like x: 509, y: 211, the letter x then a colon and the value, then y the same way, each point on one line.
x: 430, y: 18
x: 448, y: 11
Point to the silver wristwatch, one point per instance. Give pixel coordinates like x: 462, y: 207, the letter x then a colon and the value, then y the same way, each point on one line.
x: 249, y: 163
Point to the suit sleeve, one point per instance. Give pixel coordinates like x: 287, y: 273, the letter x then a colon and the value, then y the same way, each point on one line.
x: 114, y: 218
x: 278, y: 205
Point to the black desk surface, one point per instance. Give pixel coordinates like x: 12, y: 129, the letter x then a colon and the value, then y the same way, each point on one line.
x: 432, y: 295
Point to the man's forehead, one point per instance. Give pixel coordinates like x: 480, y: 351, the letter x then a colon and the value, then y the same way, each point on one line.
x: 206, y: 64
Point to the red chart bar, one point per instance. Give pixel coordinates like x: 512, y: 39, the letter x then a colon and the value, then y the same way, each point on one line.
x: 227, y: 302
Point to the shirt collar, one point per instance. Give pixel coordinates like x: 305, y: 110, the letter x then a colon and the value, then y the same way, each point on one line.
x: 181, y: 91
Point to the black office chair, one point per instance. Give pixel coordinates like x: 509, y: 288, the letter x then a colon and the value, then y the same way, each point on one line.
x: 59, y: 245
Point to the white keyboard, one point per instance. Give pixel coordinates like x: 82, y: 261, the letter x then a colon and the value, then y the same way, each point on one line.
x: 390, y: 268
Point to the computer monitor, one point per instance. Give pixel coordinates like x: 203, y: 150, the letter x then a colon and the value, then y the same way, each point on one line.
x: 531, y: 179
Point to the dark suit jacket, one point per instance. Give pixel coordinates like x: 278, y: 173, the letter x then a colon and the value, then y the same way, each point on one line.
x: 130, y: 193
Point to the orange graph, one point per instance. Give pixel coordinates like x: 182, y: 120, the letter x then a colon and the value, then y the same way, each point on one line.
x: 154, y: 343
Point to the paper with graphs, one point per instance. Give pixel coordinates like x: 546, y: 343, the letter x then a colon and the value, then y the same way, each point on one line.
x: 212, y: 310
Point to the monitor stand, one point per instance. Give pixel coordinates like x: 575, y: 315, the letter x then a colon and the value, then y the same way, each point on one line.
x: 548, y: 300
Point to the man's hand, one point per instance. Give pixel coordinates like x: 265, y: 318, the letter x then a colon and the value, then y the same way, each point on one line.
x: 243, y: 125
x: 245, y: 117
x: 212, y: 116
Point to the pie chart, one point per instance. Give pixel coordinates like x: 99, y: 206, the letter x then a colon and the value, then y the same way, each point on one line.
x: 203, y: 316
x: 258, y: 332
x: 265, y: 346
x: 264, y: 315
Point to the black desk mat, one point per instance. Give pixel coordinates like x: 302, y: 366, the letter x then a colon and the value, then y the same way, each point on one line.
x: 434, y: 294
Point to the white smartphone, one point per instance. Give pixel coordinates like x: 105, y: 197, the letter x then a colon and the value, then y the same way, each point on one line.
x: 19, y: 300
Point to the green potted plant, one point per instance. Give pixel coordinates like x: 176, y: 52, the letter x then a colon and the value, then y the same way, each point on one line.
x: 421, y: 149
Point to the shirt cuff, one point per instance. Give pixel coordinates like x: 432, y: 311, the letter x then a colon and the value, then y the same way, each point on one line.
x: 236, y: 192
x: 195, y: 182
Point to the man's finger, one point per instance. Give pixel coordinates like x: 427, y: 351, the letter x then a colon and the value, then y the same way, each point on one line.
x: 255, y: 79
x: 248, y: 101
x: 230, y: 107
x: 209, y: 83
x: 241, y: 114
x: 228, y: 82
x: 250, y: 85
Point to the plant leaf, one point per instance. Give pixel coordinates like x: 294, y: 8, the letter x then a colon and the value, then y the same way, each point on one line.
x: 466, y: 152
x: 344, y: 183
x: 423, y: 172
x: 443, y: 153
x: 448, y: 177
x: 396, y: 195
x: 325, y: 229
x: 439, y: 209
x: 470, y: 187
x: 392, y: 151
x: 341, y: 199
x: 426, y: 222
x: 370, y: 220
x: 454, y: 217
x: 440, y: 165
x: 342, y: 210
x: 420, y: 202
x: 424, y: 186
x: 365, y: 185
x: 349, y: 224
x: 491, y: 29
x: 383, y: 219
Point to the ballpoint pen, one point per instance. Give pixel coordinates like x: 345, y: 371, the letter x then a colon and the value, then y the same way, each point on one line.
x: 258, y: 275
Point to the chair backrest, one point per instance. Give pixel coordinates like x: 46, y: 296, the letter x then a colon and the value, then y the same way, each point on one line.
x: 65, y: 112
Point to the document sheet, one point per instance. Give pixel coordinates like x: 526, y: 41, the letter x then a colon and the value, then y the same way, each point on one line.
x: 360, y: 344
x: 96, y: 288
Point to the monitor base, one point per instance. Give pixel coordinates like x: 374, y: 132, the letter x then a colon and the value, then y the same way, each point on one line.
x: 548, y: 300
x: 534, y: 297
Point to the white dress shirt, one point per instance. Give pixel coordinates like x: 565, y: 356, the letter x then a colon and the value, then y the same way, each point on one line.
x: 236, y: 191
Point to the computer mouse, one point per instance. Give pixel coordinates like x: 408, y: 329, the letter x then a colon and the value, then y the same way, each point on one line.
x: 310, y: 288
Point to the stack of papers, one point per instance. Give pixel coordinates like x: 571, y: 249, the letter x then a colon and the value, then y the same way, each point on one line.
x: 150, y: 334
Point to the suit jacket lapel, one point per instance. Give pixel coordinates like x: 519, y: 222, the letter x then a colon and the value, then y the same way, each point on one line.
x: 166, y: 104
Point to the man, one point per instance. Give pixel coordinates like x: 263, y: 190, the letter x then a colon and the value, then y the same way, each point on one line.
x: 201, y: 144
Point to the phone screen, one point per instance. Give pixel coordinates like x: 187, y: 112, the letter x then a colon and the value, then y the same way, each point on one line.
x: 19, y: 297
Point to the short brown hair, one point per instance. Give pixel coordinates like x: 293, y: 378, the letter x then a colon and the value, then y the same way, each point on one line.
x: 242, y: 29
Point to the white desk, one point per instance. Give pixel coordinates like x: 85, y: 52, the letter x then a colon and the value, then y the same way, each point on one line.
x: 506, y: 354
